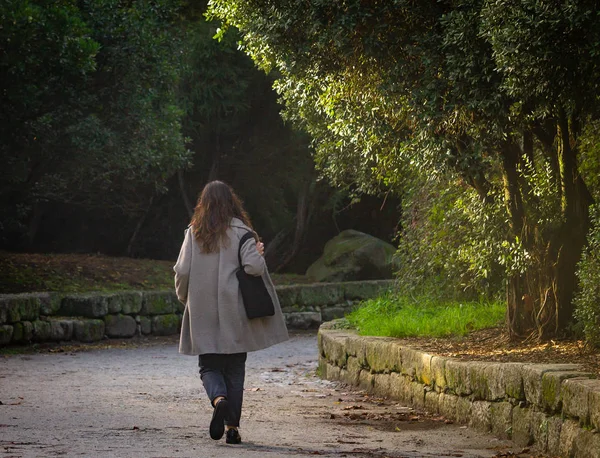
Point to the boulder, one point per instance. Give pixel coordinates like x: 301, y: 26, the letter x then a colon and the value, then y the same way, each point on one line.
x: 353, y: 255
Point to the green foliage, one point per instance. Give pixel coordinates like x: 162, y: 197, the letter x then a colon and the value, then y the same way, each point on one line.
x: 90, y: 115
x: 491, y: 95
x: 400, y: 316
x: 588, y: 298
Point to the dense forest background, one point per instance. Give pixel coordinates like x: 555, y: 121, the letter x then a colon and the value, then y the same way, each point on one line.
x: 116, y: 113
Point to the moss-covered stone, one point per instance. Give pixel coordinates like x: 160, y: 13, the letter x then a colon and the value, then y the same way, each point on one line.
x: 23, y: 332
x: 361, y: 290
x: 586, y: 444
x: 365, y: 380
x: 88, y: 330
x: 478, y: 380
x: 19, y: 307
x: 481, y: 416
x: 438, y: 373
x: 61, y: 329
x: 540, y: 429
x: 594, y: 400
x: 85, y: 305
x: 303, y: 320
x: 6, y: 334
x: 575, y: 398
x: 501, y: 419
x: 288, y: 295
x: 554, y: 426
x: 119, y: 325
x: 551, y: 389
x: 50, y: 303
x: 432, y: 402
x: 532, y: 379
x: 521, y: 427
x: 42, y: 331
x: 568, y: 433
x: 505, y: 381
x: 448, y: 404
x: 333, y: 344
x: 457, y: 377
x: 145, y: 324
x: 165, y: 325
x: 158, y: 303
x: 329, y: 313
x: 320, y: 295
x: 418, y: 363
x: 383, y: 354
x: 463, y: 409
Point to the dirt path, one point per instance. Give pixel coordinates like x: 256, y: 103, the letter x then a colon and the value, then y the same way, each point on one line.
x: 148, y: 401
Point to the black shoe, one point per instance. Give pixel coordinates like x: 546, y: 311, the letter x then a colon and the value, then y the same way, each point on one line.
x: 217, y: 424
x: 233, y: 436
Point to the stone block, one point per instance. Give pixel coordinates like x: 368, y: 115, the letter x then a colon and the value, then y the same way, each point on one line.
x: 521, y: 427
x: 383, y: 354
x: 478, y: 380
x: 88, y: 330
x: 19, y: 307
x: 42, y: 331
x: 554, y: 425
x: 61, y: 329
x: 418, y: 363
x: 463, y: 410
x: 552, y: 389
x: 382, y: 385
x: 576, y: 398
x: 432, y: 402
x: 158, y: 303
x: 303, y: 320
x: 481, y: 416
x: 532, y: 379
x: 568, y: 433
x: 50, y: 303
x: 448, y: 404
x: 457, y: 377
x: 119, y: 325
x: 539, y: 429
x: 357, y: 346
x: 288, y: 295
x: 505, y: 381
x: 329, y: 313
x: 145, y: 324
x: 165, y: 325
x: 84, y: 305
x: 501, y: 419
x: 438, y: 373
x: 361, y: 290
x: 353, y: 369
x: 320, y: 294
x: 6, y: 334
x: 330, y: 371
x: 586, y: 444
x: 595, y: 406
x: 366, y: 380
x: 23, y: 332
x: 418, y: 395
x: 131, y: 302
x: 333, y: 345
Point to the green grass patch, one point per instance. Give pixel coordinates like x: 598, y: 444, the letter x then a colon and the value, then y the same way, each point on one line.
x: 399, y: 316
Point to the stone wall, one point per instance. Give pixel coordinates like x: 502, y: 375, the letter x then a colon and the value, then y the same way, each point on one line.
x: 554, y: 407
x: 46, y: 317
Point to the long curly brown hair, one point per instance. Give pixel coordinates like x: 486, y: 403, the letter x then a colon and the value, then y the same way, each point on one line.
x: 216, y: 206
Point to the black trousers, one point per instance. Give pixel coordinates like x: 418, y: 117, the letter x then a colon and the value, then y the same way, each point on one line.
x: 223, y: 375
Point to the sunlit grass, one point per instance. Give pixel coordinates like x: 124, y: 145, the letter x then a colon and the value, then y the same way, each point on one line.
x: 398, y: 316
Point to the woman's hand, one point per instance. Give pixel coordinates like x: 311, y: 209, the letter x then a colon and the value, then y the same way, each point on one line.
x: 261, y: 248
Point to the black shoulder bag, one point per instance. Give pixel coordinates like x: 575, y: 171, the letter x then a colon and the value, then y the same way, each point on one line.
x: 256, y: 297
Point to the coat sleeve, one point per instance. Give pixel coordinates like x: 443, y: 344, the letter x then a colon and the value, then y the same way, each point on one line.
x: 253, y: 262
x: 182, y: 268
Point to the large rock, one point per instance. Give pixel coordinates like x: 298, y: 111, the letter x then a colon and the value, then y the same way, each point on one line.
x: 353, y: 255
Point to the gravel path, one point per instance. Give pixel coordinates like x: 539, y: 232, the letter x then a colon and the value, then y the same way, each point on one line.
x: 148, y: 401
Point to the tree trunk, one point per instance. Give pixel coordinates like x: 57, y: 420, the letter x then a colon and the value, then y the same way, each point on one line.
x: 184, y: 196
x: 138, y: 228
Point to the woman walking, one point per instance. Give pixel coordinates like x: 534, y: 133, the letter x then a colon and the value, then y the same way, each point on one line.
x: 215, y: 326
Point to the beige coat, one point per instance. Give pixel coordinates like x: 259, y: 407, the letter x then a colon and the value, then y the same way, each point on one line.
x: 214, y: 320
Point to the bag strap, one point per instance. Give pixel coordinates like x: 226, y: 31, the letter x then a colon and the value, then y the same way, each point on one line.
x: 244, y: 239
